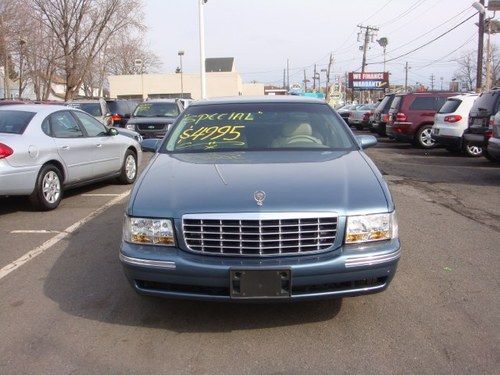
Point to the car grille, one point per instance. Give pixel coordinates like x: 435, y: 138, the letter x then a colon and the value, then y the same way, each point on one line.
x: 151, y: 126
x: 259, y: 235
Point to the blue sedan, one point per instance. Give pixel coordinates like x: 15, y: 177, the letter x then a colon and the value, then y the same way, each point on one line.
x: 260, y: 199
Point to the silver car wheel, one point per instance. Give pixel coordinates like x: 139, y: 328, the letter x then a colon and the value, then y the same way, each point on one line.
x: 425, y: 138
x: 130, y: 167
x: 51, y: 187
x: 474, y: 150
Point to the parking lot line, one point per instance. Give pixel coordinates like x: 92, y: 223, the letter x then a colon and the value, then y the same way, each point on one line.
x: 33, y: 231
x: 100, y: 195
x: 58, y: 237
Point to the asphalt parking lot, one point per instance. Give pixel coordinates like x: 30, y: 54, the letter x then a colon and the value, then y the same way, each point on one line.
x: 67, y: 308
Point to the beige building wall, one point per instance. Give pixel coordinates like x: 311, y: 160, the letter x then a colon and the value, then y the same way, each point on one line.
x: 218, y: 84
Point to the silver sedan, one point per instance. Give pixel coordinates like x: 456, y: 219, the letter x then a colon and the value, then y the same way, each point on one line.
x: 45, y: 149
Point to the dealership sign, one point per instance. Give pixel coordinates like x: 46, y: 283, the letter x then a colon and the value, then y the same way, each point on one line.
x: 369, y: 81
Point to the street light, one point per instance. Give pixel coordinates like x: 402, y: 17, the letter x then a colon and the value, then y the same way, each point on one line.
x: 139, y: 65
x: 22, y: 42
x: 181, y: 53
x: 201, y: 3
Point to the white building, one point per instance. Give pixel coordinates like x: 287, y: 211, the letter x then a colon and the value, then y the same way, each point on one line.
x: 221, y: 77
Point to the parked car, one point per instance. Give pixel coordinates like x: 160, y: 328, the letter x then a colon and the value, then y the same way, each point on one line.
x: 10, y: 102
x: 260, y: 199
x: 411, y: 117
x: 45, y: 149
x: 121, y: 110
x: 97, y: 108
x: 493, y: 148
x: 153, y: 118
x: 481, y: 118
x: 381, y: 114
x: 451, y: 121
x: 360, y: 116
x: 345, y: 111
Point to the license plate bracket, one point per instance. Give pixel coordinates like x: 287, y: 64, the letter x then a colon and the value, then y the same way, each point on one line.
x: 248, y: 283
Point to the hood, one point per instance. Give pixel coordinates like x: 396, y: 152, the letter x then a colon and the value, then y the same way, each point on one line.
x: 177, y: 184
x: 151, y: 120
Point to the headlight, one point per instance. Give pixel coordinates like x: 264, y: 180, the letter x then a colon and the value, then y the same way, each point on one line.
x: 148, y: 231
x: 130, y: 126
x: 368, y: 228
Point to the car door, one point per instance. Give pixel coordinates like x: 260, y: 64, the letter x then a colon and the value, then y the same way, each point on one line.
x: 108, y: 149
x: 74, y: 148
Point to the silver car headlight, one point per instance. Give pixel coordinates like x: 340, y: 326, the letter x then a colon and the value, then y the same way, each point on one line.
x: 369, y: 228
x: 148, y: 231
x: 130, y: 127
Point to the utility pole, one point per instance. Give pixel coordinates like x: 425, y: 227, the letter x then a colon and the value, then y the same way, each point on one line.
x: 406, y: 75
x: 287, y: 74
x: 201, y: 4
x: 305, y: 81
x: 327, y: 91
x: 369, y: 34
x: 314, y: 79
x: 480, y: 44
x: 432, y: 82
x: 488, y: 56
x: 284, y: 78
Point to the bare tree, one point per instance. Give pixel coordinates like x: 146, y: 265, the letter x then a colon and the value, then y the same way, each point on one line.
x: 466, y: 72
x: 82, y: 29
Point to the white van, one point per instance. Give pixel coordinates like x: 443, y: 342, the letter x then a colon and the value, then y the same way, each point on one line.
x: 451, y: 121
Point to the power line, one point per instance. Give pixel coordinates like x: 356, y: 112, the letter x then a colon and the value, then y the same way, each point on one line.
x: 426, y: 44
x: 377, y: 11
x: 412, y: 7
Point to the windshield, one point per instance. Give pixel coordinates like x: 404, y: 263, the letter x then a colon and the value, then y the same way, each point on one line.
x: 258, y: 127
x: 158, y: 109
x: 14, y: 122
x: 485, y: 105
x: 93, y: 109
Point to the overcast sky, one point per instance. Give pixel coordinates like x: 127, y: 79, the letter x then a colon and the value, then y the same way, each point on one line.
x: 261, y: 34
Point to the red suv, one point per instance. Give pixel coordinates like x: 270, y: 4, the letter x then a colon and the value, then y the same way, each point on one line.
x: 411, y: 117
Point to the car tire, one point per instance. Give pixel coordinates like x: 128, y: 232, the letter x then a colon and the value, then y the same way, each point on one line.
x: 48, y: 188
x: 490, y: 157
x: 472, y: 151
x: 129, y: 168
x: 423, y: 137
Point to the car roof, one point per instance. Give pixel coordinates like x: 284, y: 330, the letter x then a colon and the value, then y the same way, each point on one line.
x: 159, y: 100
x: 259, y: 99
x: 428, y: 93
x: 84, y: 101
x: 37, y: 108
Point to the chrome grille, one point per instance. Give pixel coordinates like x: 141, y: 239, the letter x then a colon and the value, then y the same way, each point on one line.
x: 151, y: 126
x: 259, y: 234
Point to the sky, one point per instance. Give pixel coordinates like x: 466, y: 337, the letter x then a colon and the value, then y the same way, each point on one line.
x: 262, y: 34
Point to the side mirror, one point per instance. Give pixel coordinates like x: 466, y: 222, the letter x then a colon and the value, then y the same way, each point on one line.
x: 112, y: 131
x: 150, y: 145
x: 366, y: 141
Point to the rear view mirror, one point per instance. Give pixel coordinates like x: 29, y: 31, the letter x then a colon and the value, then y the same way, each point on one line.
x: 366, y: 141
x: 112, y: 131
x: 150, y: 145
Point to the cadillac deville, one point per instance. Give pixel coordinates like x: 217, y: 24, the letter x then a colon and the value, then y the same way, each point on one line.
x: 260, y: 199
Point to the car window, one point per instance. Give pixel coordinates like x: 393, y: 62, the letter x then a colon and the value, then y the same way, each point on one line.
x: 396, y: 104
x: 485, y: 104
x: 157, y: 109
x: 93, y: 127
x: 14, y: 122
x: 450, y: 106
x: 93, y: 109
x: 46, y: 126
x: 64, y: 125
x: 439, y: 103
x: 258, y: 127
x: 423, y: 103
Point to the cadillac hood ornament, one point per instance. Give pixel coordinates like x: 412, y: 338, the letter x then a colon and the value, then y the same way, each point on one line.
x: 259, y: 197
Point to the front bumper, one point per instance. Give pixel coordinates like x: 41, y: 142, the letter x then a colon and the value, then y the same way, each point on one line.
x: 346, y: 271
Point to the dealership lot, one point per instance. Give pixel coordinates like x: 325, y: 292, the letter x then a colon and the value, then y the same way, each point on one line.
x: 70, y: 309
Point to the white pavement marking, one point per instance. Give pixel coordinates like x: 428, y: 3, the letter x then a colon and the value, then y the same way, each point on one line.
x: 100, y: 195
x: 58, y: 237
x: 33, y: 231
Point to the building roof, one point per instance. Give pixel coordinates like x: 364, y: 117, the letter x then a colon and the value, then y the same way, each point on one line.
x: 259, y: 99
x: 219, y: 64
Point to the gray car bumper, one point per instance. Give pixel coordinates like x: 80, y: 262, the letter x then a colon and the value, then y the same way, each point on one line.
x: 174, y: 273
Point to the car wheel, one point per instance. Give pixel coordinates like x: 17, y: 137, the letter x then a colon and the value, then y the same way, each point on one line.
x: 423, y: 138
x: 473, y: 151
x: 48, y: 189
x: 129, y: 168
